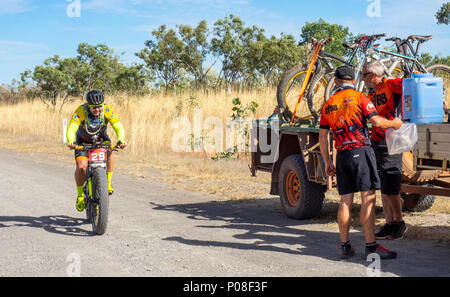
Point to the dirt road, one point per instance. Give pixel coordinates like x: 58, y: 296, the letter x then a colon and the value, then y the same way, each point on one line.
x: 154, y: 231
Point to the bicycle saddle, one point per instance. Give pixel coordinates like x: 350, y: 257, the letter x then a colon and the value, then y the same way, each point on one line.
x: 393, y: 39
x: 420, y: 37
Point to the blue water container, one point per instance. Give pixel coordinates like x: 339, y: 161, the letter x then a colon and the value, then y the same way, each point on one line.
x: 423, y: 99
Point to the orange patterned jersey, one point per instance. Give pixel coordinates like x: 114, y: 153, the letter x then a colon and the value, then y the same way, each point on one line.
x: 387, y: 98
x: 346, y: 114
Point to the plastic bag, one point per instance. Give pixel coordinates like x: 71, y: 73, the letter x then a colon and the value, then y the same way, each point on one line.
x: 401, y: 140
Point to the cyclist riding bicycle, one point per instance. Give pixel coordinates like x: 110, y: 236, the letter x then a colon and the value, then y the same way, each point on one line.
x: 88, y: 125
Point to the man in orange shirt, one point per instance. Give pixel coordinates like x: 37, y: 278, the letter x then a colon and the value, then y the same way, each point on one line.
x: 346, y: 113
x: 386, y: 95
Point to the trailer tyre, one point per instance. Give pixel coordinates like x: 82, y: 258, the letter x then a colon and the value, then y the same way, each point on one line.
x: 300, y: 198
x: 417, y: 202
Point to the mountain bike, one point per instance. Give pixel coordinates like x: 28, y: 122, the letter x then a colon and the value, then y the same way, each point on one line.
x: 438, y: 70
x: 312, y: 80
x: 96, y: 186
x: 396, y: 64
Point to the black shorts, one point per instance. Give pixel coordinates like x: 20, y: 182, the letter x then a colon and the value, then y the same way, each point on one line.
x: 356, y: 171
x: 389, y: 168
x: 80, y: 140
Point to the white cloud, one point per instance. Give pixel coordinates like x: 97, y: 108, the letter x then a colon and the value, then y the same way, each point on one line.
x: 13, y: 46
x: 146, y: 28
x: 15, y: 6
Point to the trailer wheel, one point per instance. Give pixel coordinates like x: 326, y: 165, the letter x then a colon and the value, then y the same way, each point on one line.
x: 300, y: 198
x: 417, y: 202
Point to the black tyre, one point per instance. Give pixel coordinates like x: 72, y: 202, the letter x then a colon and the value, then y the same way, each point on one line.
x: 316, y: 95
x: 99, y: 206
x: 330, y: 87
x: 442, y: 71
x: 289, y: 89
x: 88, y: 205
x: 417, y: 202
x: 300, y: 198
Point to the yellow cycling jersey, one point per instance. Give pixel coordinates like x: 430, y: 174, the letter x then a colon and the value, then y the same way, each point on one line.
x: 82, y: 121
x: 108, y: 113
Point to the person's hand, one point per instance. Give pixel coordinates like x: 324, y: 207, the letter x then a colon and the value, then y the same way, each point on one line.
x: 397, y: 123
x: 121, y: 145
x: 330, y: 169
x: 72, y: 146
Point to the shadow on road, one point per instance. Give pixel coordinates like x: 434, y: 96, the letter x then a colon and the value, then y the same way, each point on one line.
x: 55, y: 224
x: 261, y: 225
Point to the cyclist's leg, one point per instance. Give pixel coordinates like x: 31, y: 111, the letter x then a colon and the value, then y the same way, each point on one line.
x: 80, y: 177
x: 80, y: 171
x: 81, y: 161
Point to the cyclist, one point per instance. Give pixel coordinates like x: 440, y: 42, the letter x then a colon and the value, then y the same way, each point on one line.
x: 386, y: 95
x: 347, y: 113
x: 89, y: 124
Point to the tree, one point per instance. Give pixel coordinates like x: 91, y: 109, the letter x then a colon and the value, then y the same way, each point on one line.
x: 321, y: 30
x: 164, y: 56
x: 99, y: 67
x: 195, y: 52
x: 428, y: 60
x: 443, y: 14
x: 133, y: 79
x: 272, y: 57
x: 232, y: 42
x: 52, y: 83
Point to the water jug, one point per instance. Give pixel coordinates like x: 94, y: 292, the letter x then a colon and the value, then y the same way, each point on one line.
x: 423, y: 99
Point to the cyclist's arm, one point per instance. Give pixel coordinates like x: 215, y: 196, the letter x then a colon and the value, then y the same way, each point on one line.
x: 71, y: 133
x: 120, y: 132
x: 111, y: 115
x: 75, y: 122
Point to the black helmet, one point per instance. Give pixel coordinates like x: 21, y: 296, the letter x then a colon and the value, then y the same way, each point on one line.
x: 95, y: 97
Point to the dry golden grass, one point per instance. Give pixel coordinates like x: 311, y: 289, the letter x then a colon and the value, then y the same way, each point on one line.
x: 147, y: 120
x: 32, y: 127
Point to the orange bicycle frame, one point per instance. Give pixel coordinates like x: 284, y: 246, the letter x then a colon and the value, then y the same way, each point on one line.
x: 308, y: 74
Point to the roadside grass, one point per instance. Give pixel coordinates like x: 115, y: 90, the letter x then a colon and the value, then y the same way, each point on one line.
x: 31, y: 127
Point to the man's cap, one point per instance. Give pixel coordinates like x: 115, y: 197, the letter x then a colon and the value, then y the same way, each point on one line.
x: 345, y: 73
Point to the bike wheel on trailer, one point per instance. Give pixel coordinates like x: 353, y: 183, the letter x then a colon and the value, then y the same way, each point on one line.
x: 100, y: 201
x: 289, y: 88
x: 442, y: 71
x: 316, y: 94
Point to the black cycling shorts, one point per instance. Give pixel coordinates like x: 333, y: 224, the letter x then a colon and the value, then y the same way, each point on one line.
x: 80, y: 140
x: 356, y: 170
x: 389, y: 169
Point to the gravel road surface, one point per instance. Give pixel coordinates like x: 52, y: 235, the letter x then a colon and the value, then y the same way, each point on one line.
x: 155, y: 231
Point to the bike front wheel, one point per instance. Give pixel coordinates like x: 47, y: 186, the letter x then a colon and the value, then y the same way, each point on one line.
x: 100, y: 203
x: 289, y: 88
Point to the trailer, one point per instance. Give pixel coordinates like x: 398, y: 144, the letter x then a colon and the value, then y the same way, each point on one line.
x: 291, y: 154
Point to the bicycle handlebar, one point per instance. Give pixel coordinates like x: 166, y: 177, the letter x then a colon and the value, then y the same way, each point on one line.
x: 87, y: 146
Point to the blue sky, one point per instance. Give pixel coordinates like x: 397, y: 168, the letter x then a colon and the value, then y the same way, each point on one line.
x: 32, y: 30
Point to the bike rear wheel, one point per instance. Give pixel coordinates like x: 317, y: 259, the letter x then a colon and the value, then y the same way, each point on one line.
x: 289, y: 89
x: 100, y: 203
x: 316, y: 95
x: 443, y: 71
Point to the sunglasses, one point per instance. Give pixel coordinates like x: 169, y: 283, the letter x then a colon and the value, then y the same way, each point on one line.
x: 96, y: 106
x: 366, y: 74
